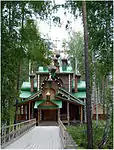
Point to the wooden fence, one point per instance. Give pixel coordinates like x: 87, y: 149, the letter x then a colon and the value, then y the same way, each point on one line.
x: 9, y: 133
x: 62, y: 133
x: 66, y: 140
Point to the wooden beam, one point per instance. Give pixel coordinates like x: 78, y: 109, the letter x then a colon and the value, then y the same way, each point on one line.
x: 85, y: 119
x: 68, y: 104
x: 75, y: 87
x: 26, y: 111
x: 17, y: 113
x: 81, y: 114
x: 38, y: 116
x: 69, y: 83
x: 29, y: 111
x: 38, y: 82
x: 23, y: 109
x: 32, y: 110
x: 58, y: 114
x: 68, y: 117
x: 20, y: 110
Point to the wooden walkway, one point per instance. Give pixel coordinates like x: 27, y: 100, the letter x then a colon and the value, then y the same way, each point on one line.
x: 40, y: 137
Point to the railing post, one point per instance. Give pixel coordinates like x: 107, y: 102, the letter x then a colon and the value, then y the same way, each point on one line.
x: 9, y: 134
x: 19, y: 129
x: 12, y: 131
x: 58, y: 114
x: 16, y: 130
x: 62, y: 133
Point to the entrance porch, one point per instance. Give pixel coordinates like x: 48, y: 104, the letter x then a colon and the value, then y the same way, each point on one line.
x: 47, y: 115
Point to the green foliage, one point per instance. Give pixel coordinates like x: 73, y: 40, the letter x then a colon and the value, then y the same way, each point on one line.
x: 36, y: 49
x: 78, y: 133
x: 100, y: 23
x: 41, y: 8
x: 20, y: 40
x: 108, y: 96
x: 109, y: 143
x: 76, y: 51
x: 100, y: 16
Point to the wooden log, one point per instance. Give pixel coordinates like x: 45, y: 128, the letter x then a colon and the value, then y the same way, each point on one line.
x: 20, y: 110
x: 58, y: 114
x: 68, y: 117
x: 81, y: 114
x: 85, y: 119
x: 38, y: 116
x: 29, y: 110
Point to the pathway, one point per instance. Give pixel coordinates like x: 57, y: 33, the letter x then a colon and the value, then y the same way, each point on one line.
x: 40, y: 137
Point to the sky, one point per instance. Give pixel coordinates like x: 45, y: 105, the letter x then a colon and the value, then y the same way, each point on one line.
x: 57, y: 34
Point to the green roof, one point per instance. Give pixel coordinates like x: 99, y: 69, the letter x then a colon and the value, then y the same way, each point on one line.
x: 25, y: 94
x: 68, y: 69
x: 28, y: 97
x: 57, y: 102
x: 45, y: 69
x: 26, y: 86
x: 80, y: 94
x: 81, y: 86
x: 37, y: 103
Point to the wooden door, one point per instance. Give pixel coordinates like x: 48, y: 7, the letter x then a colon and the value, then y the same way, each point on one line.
x: 49, y: 115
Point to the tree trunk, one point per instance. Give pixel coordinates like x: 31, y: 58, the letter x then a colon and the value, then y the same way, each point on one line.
x: 103, y: 95
x: 87, y: 76
x: 97, y: 106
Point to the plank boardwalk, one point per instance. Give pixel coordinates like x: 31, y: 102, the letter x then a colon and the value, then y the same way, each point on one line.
x: 40, y: 137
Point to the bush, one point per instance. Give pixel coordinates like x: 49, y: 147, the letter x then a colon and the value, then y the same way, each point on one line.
x: 79, y: 134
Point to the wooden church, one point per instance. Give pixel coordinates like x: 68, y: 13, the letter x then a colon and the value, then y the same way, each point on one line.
x: 53, y: 93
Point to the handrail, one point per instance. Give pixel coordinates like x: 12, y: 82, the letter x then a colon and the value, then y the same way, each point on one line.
x: 9, y: 133
x: 18, y: 123
x: 62, y: 132
x: 66, y: 139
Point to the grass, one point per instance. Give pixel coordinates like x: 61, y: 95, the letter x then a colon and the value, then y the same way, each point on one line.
x: 79, y: 134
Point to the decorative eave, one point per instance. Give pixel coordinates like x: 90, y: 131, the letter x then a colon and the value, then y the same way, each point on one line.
x: 31, y: 98
x: 37, y: 94
x: 67, y: 97
x: 56, y: 103
x: 70, y: 97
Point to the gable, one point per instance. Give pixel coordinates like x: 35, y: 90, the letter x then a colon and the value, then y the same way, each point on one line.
x: 48, y: 104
